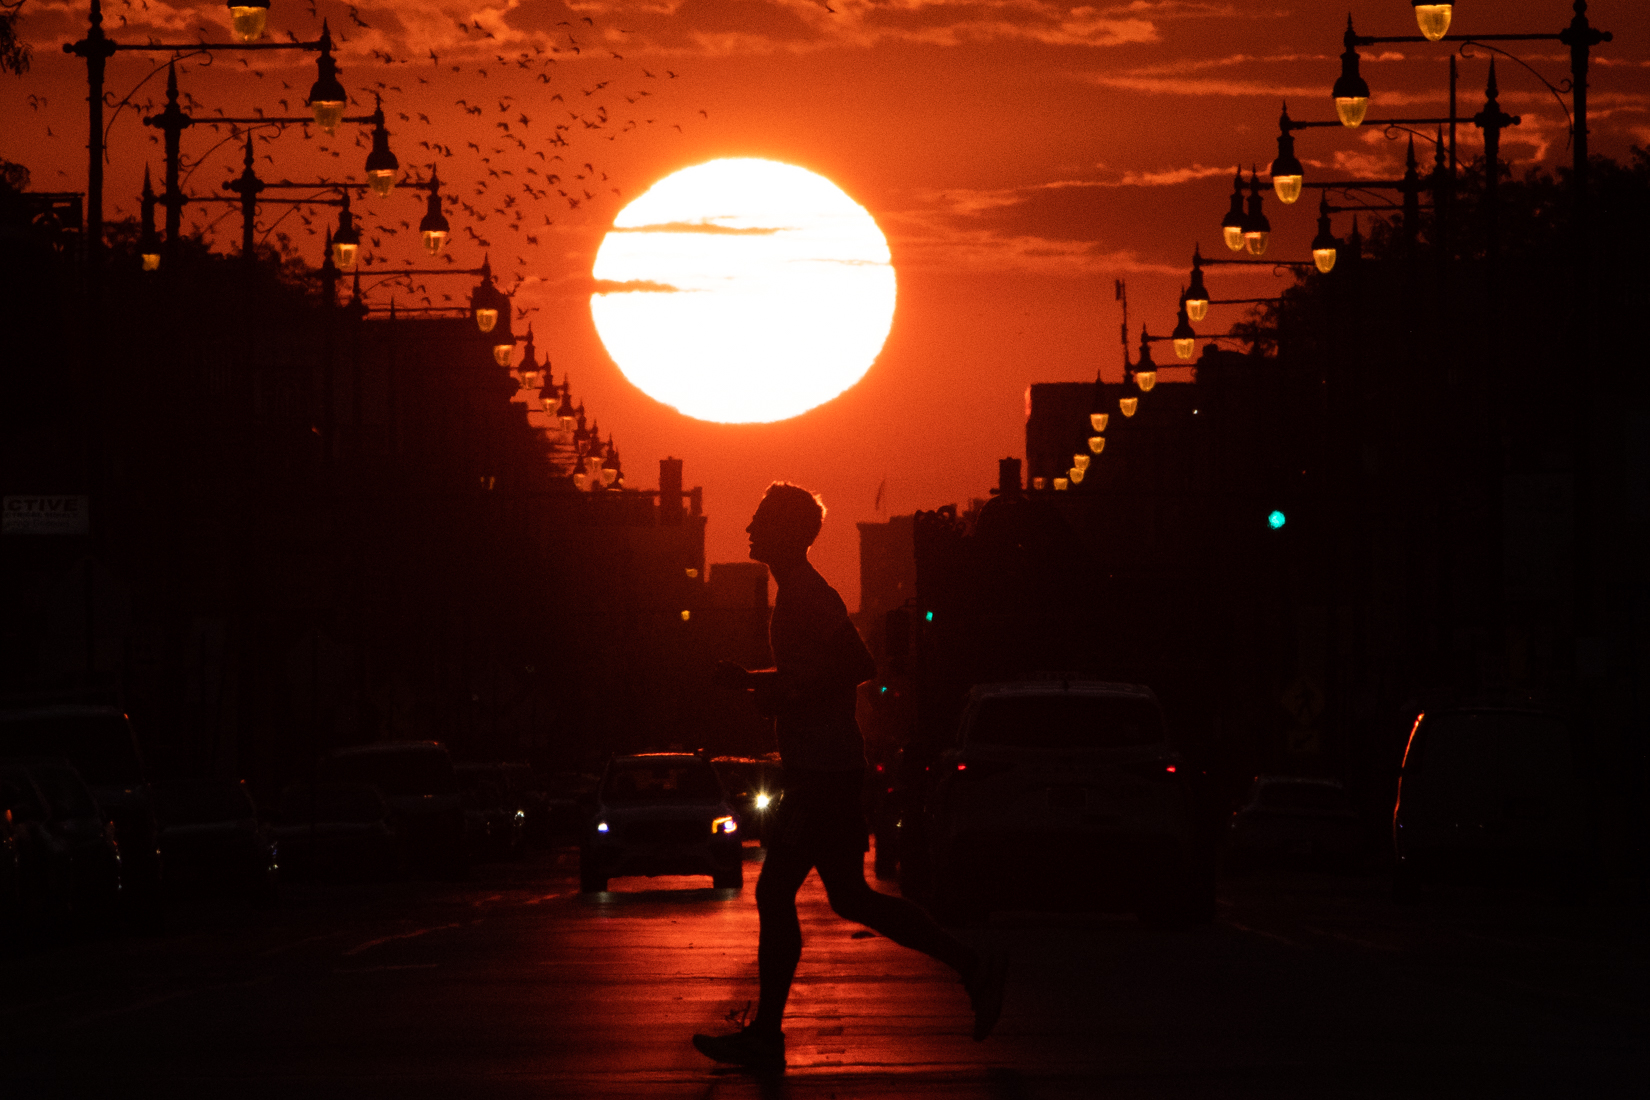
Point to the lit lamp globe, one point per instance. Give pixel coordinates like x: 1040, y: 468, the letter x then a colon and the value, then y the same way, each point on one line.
x: 1061, y: 484
x: 1257, y: 229
x: 248, y: 18
x: 1351, y: 93
x: 503, y: 352
x: 434, y: 229
x: 1080, y: 461
x: 1128, y: 405
x: 1097, y: 443
x: 1097, y: 421
x: 1287, y: 173
x: 1075, y: 475
x: 326, y: 96
x: 1197, y: 295
x: 1185, y: 340
x: 346, y: 242
x: 1325, y: 246
x: 1145, y: 371
x: 381, y: 163
x: 1231, y: 226
x: 1433, y: 19
x: 486, y: 300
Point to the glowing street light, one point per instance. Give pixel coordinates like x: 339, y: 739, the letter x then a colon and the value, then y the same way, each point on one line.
x: 1257, y: 230
x: 149, y: 242
x: 1231, y: 226
x: 1080, y: 461
x: 434, y: 228
x: 1351, y: 93
x: 346, y: 242
x: 486, y: 300
x: 1197, y: 295
x: 1433, y: 19
x: 381, y: 163
x: 1185, y: 340
x: 1325, y: 246
x: 1145, y: 373
x: 248, y: 17
x: 1287, y: 173
x: 326, y: 96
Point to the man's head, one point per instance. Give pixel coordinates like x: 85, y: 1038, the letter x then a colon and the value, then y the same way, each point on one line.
x: 786, y: 523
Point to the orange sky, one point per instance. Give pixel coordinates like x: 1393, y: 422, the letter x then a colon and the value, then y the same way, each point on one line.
x: 1019, y: 155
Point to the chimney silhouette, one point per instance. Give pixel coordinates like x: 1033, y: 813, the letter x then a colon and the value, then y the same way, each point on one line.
x: 670, y: 491
x: 1008, y: 475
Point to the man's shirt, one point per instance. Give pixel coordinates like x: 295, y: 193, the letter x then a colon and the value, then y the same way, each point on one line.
x: 821, y: 660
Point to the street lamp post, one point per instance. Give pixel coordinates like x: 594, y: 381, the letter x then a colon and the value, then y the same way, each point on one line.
x: 96, y: 48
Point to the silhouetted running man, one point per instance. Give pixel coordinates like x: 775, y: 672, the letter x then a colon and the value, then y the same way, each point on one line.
x: 820, y: 824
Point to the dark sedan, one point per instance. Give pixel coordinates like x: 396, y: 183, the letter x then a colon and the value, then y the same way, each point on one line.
x: 1298, y: 822
x: 68, y: 865
x: 210, y: 835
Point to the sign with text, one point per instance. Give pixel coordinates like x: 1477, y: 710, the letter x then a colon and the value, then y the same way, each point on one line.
x: 45, y: 515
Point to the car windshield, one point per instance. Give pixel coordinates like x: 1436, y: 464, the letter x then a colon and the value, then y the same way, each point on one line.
x: 330, y: 802
x: 632, y: 781
x: 1302, y: 796
x: 100, y: 746
x: 1066, y: 721
x: 398, y: 774
x: 65, y: 792
x: 1495, y: 750
x: 202, y: 803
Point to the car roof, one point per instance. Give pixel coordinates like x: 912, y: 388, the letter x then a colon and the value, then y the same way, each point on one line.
x: 382, y: 747
x: 61, y: 710
x: 1057, y: 684
x: 1309, y: 780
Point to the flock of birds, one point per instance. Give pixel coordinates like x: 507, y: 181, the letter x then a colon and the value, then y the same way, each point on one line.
x: 519, y: 152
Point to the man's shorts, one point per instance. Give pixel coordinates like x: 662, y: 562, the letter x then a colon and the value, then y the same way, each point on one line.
x: 822, y: 814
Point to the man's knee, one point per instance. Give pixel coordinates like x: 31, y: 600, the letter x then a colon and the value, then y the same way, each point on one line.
x: 773, y: 893
x: 853, y: 901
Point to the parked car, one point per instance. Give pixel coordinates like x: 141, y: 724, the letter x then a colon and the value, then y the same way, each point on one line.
x: 1065, y: 783
x: 570, y: 799
x: 661, y: 814
x: 68, y: 864
x: 1491, y: 793
x: 210, y: 835
x: 755, y: 787
x: 335, y: 831
x: 418, y: 782
x: 495, y: 823
x: 100, y: 743
x: 1294, y: 821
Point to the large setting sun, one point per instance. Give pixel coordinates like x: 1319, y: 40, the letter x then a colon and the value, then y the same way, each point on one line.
x: 744, y: 290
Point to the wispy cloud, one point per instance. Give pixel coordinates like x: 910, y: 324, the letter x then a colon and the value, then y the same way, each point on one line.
x: 702, y: 227
x: 633, y: 286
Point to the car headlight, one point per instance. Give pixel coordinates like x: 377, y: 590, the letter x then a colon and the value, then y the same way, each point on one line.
x: 601, y: 826
x: 724, y: 825
x: 762, y: 801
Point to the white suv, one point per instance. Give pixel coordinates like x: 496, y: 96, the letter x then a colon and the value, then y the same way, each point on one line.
x: 661, y: 813
x: 1065, y: 782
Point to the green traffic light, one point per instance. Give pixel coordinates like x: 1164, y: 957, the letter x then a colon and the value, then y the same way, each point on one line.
x: 1276, y: 519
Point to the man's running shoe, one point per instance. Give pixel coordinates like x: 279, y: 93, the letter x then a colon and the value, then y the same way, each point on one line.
x: 763, y: 1050
x: 985, y: 992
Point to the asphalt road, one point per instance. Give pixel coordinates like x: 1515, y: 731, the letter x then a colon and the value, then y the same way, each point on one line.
x: 513, y: 985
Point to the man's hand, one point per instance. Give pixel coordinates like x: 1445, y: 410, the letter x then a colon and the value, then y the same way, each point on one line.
x: 732, y: 677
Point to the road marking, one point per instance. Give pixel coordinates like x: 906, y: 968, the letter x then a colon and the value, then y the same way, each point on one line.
x: 360, y: 947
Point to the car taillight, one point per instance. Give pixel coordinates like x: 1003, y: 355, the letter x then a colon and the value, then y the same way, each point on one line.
x: 980, y: 769
x: 723, y: 825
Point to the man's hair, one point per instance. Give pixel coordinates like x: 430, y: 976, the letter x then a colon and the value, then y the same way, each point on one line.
x: 796, y: 508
